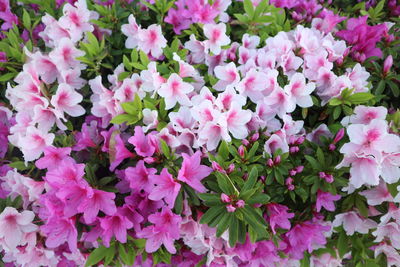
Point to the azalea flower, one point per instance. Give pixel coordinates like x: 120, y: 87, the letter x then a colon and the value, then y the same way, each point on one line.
x: 131, y: 30
x: 165, y: 187
x: 175, y: 90
x: 215, y: 33
x: 227, y: 75
x: 151, y: 40
x: 192, y: 172
x: 66, y: 100
x: 326, y: 199
x: 33, y: 144
x: 65, y: 55
x: 115, y: 225
x: 352, y: 222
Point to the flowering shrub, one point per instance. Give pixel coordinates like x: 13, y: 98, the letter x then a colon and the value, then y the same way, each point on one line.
x: 199, y: 133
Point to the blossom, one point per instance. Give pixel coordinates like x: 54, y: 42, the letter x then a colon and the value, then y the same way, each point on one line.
x: 278, y: 216
x: 143, y: 146
x: 115, y: 225
x: 227, y: 75
x: 118, y: 152
x: 65, y: 54
x: 139, y: 177
x: 151, y: 40
x: 131, y: 30
x: 300, y: 91
x: 352, y: 223
x: 391, y: 231
x: 175, y: 90
x: 192, y: 172
x: 377, y: 195
x: 34, y: 142
x: 165, y: 230
x: 14, y: 225
x: 216, y: 36
x: 66, y: 100
x: 326, y: 199
x: 99, y: 200
x: 59, y: 230
x: 274, y: 143
x: 166, y: 187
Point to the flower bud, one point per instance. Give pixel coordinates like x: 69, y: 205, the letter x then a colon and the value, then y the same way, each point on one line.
x: 230, y: 208
x: 300, y: 140
x: 225, y: 198
x: 231, y: 168
x: 294, y: 149
x: 339, y: 136
x: 270, y: 163
x: 149, y: 160
x: 217, y: 167
x: 255, y: 137
x: 277, y: 160
x: 387, y: 64
x: 292, y: 172
x: 329, y: 178
x: 289, y: 181
x: 332, y: 147
x: 322, y: 175
x: 245, y: 142
x: 299, y: 168
x: 241, y: 151
x: 240, y: 203
x: 290, y: 187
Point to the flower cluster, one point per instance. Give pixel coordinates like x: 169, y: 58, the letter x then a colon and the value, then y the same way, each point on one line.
x: 199, y: 133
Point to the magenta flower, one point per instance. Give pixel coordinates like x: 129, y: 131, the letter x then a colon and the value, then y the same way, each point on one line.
x: 326, y: 199
x: 99, y: 200
x: 72, y: 196
x: 278, y: 216
x: 53, y: 157
x: 164, y: 231
x: 166, y: 187
x: 142, y: 143
x: 176, y: 19
x: 118, y: 152
x: 60, y: 230
x: 139, y: 177
x: 192, y: 172
x: 115, y: 225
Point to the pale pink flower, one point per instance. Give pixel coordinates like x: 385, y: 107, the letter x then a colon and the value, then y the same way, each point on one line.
x: 281, y: 102
x: 225, y: 99
x: 236, y: 120
x: 175, y: 90
x: 392, y: 255
x: 34, y: 142
x: 391, y: 167
x: 227, y: 75
x: 389, y: 230
x: 274, y: 143
x: 216, y: 35
x: 364, y: 115
x: 65, y: 54
x: 197, y: 50
x: 253, y: 85
x: 377, y: 195
x: 300, y: 91
x: 72, y: 78
x: 76, y: 19
x: 352, y: 223
x: 14, y: 225
x: 250, y: 41
x: 151, y: 40
x: 66, y: 100
x: 131, y: 30
x: 182, y: 119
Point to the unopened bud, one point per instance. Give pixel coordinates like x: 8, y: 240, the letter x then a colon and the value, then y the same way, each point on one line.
x: 225, y: 198
x: 241, y: 151
x: 270, y: 163
x: 387, y: 64
x: 240, y: 203
x: 230, y: 208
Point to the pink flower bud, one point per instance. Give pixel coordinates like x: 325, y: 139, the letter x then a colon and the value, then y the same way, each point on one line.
x: 231, y: 168
x: 245, y: 176
x: 332, y: 147
x: 339, y: 136
x: 225, y: 198
x: 270, y: 163
x: 290, y: 187
x: 149, y: 160
x: 322, y: 175
x: 245, y: 142
x: 300, y: 140
x: 240, y: 203
x: 294, y: 149
x: 262, y: 178
x: 329, y: 178
x: 277, y: 160
x: 387, y: 64
x: 230, y: 208
x: 289, y: 181
x: 292, y: 140
x: 292, y: 172
x: 299, y: 169
x: 241, y: 151
x: 255, y: 137
x: 217, y: 167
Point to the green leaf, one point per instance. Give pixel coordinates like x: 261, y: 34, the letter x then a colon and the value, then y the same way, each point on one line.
x: 144, y: 59
x: 233, y: 231
x: 258, y: 199
x: 342, y: 244
x: 165, y: 149
x: 7, y: 77
x: 260, y: 8
x: 19, y: 165
x: 26, y: 19
x: 254, y: 220
x: 224, y: 183
x: 380, y: 88
x: 252, y: 151
x: 224, y: 223
x: 211, y: 213
x: 248, y: 7
x: 223, y: 150
x: 251, y: 180
x: 127, y: 257
x: 361, y: 206
x: 359, y: 98
x: 178, y: 206
x: 335, y: 102
x: 315, y: 165
x: 122, y: 118
x: 96, y: 256
x: 320, y: 156
x: 109, y: 254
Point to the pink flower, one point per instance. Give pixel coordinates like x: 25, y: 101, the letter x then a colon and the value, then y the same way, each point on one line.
x: 364, y: 115
x: 118, y: 152
x: 35, y: 141
x: 236, y: 120
x: 326, y: 199
x: 76, y: 19
x: 66, y: 100
x: 99, y: 200
x: 215, y: 33
x: 59, y: 230
x: 274, y: 143
x: 131, y: 30
x: 139, y: 177
x: 253, y: 85
x: 13, y: 227
x: 142, y: 143
x: 115, y: 225
x: 227, y: 75
x: 65, y: 55
x: 377, y: 195
x: 192, y: 172
x: 176, y: 19
x: 230, y: 208
x: 390, y: 230
x: 73, y: 195
x: 164, y: 231
x: 64, y: 174
x: 352, y: 222
x: 300, y: 91
x: 175, y: 90
x: 152, y: 41
x: 166, y: 187
x: 278, y: 216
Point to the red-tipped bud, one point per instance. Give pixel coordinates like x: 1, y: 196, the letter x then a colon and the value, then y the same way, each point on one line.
x: 217, y: 167
x: 241, y: 151
x: 290, y: 187
x: 225, y: 198
x: 322, y: 175
x: 255, y: 137
x: 231, y: 168
x: 329, y: 178
x: 292, y: 172
x: 331, y: 147
x: 339, y: 135
x: 245, y: 142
